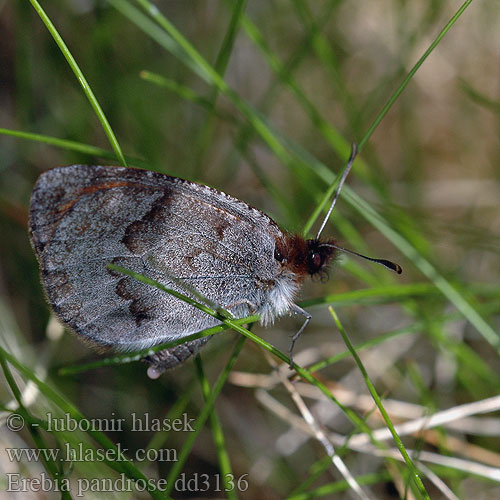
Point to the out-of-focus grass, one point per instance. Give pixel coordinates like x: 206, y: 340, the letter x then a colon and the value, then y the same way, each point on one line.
x: 262, y: 100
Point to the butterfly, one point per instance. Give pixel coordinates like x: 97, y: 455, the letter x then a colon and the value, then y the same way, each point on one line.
x: 185, y: 235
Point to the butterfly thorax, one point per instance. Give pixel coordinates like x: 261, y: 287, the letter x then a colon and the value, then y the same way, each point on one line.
x: 297, y: 258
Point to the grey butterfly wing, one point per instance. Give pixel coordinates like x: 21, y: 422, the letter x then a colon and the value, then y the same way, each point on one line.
x: 84, y: 217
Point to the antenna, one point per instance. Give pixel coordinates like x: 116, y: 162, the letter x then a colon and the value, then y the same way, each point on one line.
x: 392, y: 266
x: 354, y: 152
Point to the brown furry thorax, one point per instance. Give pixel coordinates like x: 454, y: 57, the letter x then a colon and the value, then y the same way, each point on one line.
x: 305, y: 257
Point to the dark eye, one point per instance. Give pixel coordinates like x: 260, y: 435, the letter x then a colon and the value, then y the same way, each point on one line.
x: 316, y: 260
x: 278, y: 255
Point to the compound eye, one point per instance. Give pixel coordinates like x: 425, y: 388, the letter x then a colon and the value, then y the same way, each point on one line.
x: 278, y: 255
x: 316, y: 260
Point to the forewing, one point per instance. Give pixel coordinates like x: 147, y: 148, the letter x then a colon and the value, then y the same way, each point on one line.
x: 84, y: 217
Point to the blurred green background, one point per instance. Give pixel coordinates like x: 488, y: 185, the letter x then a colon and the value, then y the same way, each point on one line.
x: 305, y: 79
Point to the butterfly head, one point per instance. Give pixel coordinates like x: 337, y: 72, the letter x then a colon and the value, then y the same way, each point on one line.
x: 305, y: 257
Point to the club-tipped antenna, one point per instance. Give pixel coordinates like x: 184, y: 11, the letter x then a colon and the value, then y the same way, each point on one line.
x: 354, y: 152
x: 392, y: 266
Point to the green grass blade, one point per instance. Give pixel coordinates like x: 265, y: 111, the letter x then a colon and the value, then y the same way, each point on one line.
x: 412, y: 72
x: 207, y: 128
x: 218, y: 435
x: 82, y: 80
x: 329, y: 193
x: 305, y: 374
x: 75, y: 146
x: 131, y: 357
x: 160, y: 438
x: 33, y: 426
x: 325, y: 490
x: 121, y: 464
x: 414, y: 256
x: 415, y: 473
x: 332, y: 135
x: 479, y: 98
x: 187, y: 94
x: 202, y: 418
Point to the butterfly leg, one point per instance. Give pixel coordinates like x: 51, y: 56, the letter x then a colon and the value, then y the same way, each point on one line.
x: 251, y: 306
x: 164, y: 360
x: 298, y: 310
